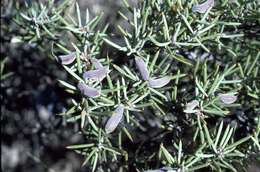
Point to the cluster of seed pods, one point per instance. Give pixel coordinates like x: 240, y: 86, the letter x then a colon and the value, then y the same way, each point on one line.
x: 117, y: 115
x: 224, y: 98
x: 152, y: 82
x: 99, y: 73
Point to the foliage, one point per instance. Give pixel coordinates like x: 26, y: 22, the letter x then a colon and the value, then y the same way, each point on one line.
x: 204, y: 55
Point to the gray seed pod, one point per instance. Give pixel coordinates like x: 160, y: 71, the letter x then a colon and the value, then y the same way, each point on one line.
x: 88, y: 91
x: 96, y: 63
x: 67, y: 59
x: 142, y: 68
x: 115, y: 119
x: 159, y: 83
x: 191, y: 105
x: 227, y: 98
x: 202, y: 8
x: 97, y: 74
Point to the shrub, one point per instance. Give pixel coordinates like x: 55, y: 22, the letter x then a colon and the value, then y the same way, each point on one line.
x: 180, y: 91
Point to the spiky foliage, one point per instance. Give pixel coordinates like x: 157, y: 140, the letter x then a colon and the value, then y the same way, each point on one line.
x: 205, y: 55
